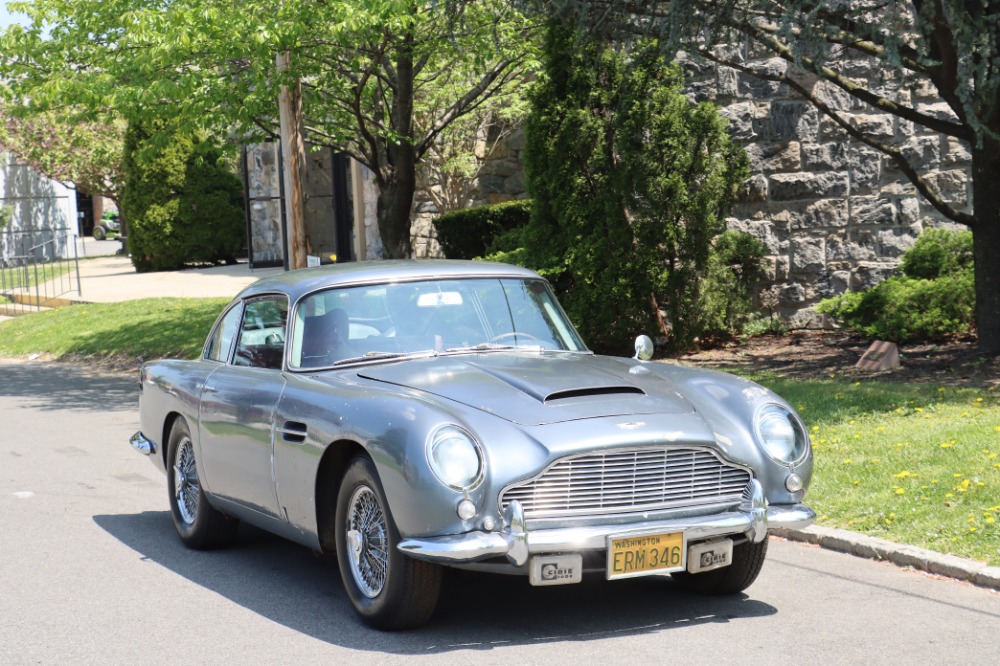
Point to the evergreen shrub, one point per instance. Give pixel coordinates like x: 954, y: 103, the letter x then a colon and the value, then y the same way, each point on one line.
x: 933, y: 299
x: 181, y: 202
x: 631, y: 183
x: 468, y: 233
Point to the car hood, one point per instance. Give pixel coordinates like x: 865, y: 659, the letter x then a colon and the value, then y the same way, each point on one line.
x: 538, y: 388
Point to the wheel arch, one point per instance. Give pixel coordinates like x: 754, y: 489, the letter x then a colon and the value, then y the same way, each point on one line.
x: 168, y: 425
x: 328, y: 476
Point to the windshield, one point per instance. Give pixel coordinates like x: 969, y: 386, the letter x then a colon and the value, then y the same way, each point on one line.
x: 354, y: 324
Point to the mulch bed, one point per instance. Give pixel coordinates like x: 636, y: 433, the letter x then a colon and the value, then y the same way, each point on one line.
x: 816, y: 354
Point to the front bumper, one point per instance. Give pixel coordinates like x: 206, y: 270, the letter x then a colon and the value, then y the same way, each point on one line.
x: 752, y: 519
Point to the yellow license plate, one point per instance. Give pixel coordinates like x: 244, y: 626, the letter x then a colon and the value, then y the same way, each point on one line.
x: 642, y: 555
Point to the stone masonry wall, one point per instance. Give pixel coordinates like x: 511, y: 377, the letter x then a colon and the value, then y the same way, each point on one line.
x: 834, y: 213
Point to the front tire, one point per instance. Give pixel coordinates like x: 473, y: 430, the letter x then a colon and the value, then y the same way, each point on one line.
x: 199, y: 524
x: 388, y: 590
x: 748, y: 558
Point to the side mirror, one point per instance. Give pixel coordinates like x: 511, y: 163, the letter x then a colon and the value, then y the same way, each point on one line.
x: 643, y: 348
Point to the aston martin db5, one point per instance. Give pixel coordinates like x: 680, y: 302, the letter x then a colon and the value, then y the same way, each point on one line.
x: 415, y: 415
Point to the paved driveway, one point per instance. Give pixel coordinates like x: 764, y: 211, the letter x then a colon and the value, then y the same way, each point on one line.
x: 92, y: 573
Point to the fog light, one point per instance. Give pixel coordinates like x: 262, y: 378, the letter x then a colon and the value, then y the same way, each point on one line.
x: 794, y: 483
x: 466, y: 509
x: 489, y: 524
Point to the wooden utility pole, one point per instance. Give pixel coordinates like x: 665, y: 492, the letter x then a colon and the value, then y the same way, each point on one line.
x: 293, y: 153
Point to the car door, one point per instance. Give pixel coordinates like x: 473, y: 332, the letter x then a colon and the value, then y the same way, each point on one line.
x: 237, y: 409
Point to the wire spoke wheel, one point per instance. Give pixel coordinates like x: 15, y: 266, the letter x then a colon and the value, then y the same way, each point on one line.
x: 198, y: 523
x: 387, y: 589
x: 187, y: 487
x: 367, y: 536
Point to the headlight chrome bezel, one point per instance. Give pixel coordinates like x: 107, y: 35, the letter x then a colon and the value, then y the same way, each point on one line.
x: 778, y: 452
x: 456, y: 436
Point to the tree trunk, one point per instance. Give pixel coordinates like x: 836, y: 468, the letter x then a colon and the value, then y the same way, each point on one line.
x: 398, y: 179
x: 986, y: 242
x: 395, y: 199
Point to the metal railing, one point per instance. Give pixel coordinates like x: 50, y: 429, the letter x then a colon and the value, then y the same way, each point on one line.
x: 38, y: 276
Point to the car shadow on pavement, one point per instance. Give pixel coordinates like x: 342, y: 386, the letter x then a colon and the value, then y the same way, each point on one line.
x: 290, y: 585
x: 61, y: 386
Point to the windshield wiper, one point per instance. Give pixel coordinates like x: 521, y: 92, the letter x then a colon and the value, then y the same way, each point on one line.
x: 380, y: 356
x: 492, y: 346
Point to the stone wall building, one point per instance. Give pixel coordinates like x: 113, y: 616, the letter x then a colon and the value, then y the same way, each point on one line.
x: 833, y: 213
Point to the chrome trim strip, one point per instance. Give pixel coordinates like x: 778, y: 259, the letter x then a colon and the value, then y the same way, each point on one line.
x: 142, y: 445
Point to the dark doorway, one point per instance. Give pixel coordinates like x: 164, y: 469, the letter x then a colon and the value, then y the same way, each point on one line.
x: 84, y: 213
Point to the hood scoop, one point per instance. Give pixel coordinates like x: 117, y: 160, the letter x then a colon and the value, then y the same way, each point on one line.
x: 536, y: 389
x: 596, y: 392
x: 555, y: 387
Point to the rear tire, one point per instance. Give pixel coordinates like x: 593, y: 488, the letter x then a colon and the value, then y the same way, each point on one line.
x: 100, y: 233
x: 199, y: 524
x: 388, y: 590
x: 748, y: 558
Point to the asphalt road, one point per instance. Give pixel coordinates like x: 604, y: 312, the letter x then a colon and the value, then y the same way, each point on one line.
x: 91, y: 572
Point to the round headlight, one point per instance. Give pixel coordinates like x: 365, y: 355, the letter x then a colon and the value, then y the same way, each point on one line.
x: 780, y: 434
x: 455, y: 458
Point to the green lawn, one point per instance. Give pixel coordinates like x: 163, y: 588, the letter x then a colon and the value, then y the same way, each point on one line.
x: 148, y: 328
x: 914, y: 464
x: 16, y: 278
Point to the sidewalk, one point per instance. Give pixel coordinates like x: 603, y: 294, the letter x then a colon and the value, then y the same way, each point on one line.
x: 112, y: 279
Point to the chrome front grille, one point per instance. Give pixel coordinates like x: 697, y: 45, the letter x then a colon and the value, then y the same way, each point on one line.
x: 629, y: 480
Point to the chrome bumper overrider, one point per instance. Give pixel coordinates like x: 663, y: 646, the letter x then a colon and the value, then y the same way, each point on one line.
x: 516, y: 543
x: 142, y: 445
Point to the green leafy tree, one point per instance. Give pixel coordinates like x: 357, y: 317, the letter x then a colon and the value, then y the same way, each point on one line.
x: 382, y: 80
x: 948, y: 46
x: 88, y: 154
x: 183, y: 203
x: 630, y: 183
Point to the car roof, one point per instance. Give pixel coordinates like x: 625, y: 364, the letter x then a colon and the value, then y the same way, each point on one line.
x: 303, y: 281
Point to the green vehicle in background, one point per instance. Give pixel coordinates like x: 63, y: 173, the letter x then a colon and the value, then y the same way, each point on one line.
x: 108, y: 224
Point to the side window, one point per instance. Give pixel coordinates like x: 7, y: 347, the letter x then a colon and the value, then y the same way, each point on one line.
x: 261, y: 341
x: 221, y: 340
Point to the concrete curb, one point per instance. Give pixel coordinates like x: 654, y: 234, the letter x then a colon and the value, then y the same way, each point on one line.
x: 874, y: 548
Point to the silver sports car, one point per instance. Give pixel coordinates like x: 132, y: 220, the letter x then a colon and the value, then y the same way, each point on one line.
x: 413, y: 415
